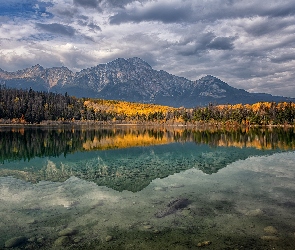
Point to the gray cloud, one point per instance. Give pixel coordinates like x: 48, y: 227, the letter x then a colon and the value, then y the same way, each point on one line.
x: 3, y: 19
x: 222, y: 43
x: 283, y: 58
x: 83, y: 17
x: 204, y: 42
x: 267, y: 26
x: 66, y: 13
x: 57, y: 28
x: 90, y: 25
x: 87, y: 3
x: 280, y: 9
x: 120, y: 4
x: 166, y: 13
x: 93, y: 26
x: 191, y: 12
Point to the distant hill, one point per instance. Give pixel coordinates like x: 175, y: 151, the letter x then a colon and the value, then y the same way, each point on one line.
x: 132, y: 80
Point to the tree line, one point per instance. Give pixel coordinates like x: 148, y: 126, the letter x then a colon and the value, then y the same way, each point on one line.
x: 29, y: 106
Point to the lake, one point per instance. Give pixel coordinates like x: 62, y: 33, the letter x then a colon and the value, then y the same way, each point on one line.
x: 134, y: 187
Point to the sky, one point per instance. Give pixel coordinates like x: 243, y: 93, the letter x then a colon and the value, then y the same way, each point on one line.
x: 248, y: 44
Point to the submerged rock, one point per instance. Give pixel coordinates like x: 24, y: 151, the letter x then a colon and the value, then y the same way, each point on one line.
x: 172, y: 207
x: 109, y: 238
x: 16, y: 241
x: 68, y: 232
x: 270, y: 238
x: 176, y: 185
x: 255, y: 212
x: 147, y: 226
x: 62, y: 241
x: 204, y: 243
x: 160, y: 188
x: 270, y: 230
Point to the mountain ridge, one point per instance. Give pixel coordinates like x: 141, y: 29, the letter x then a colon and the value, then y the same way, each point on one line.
x: 132, y: 80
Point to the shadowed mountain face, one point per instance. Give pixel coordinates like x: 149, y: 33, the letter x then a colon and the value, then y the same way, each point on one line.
x: 132, y: 80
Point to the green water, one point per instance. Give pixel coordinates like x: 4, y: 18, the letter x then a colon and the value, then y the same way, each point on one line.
x: 147, y: 188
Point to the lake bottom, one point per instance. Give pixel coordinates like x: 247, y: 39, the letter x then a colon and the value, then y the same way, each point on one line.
x: 250, y: 204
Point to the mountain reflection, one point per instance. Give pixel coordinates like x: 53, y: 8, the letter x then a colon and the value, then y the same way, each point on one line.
x: 28, y: 143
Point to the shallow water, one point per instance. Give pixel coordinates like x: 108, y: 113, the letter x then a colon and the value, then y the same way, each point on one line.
x: 172, y: 190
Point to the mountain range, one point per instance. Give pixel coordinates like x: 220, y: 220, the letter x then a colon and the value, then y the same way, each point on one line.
x: 132, y: 80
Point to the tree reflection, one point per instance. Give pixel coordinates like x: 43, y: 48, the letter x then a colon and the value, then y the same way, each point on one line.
x: 27, y: 143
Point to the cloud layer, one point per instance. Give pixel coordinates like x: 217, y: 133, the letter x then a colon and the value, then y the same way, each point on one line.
x: 249, y: 44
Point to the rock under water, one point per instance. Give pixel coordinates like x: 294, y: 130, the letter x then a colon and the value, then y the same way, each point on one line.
x: 172, y: 207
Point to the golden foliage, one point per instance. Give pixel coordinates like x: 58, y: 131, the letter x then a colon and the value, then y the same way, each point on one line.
x: 124, y: 141
x: 129, y: 110
x: 260, y: 113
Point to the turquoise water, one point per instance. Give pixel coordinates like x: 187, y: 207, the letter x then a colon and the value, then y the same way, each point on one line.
x: 178, y: 190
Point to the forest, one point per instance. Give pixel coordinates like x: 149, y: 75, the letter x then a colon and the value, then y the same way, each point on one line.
x: 36, y: 107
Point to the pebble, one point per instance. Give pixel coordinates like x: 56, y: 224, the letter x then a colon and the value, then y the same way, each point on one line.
x: 270, y: 237
x: 160, y: 189
x: 62, y: 241
x: 148, y: 226
x: 270, y: 230
x: 33, y: 221
x: 204, y: 243
x: 185, y: 212
x: 40, y: 240
x: 175, y: 185
x: 255, y: 212
x: 77, y: 239
x: 109, y: 238
x: 16, y: 241
x: 68, y: 232
x: 32, y: 239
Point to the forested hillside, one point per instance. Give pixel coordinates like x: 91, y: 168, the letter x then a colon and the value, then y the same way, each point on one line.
x: 28, y: 106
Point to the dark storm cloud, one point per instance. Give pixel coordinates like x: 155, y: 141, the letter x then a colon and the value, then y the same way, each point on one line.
x: 166, y: 13
x: 57, y: 28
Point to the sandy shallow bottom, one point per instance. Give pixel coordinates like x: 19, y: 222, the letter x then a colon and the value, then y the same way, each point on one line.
x: 250, y: 204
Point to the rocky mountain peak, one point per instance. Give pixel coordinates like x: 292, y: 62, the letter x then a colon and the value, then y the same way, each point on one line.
x: 210, y: 79
x: 130, y: 63
x: 132, y: 80
x: 138, y: 62
x: 37, y: 67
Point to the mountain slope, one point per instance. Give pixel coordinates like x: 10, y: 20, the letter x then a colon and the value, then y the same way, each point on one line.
x: 132, y: 80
